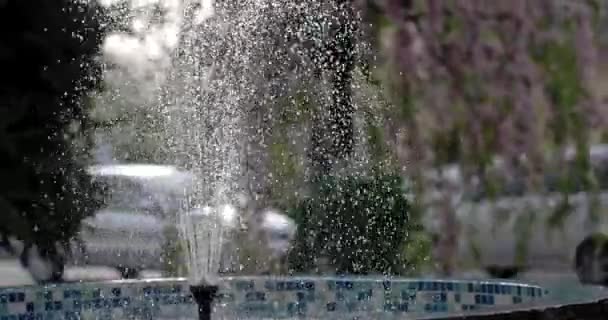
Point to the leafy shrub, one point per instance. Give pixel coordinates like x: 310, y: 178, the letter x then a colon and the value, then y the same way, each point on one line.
x: 359, y: 225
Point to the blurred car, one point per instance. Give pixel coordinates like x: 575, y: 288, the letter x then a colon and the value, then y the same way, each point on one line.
x: 142, y: 205
x: 278, y: 230
x: 519, y: 229
x: 141, y: 215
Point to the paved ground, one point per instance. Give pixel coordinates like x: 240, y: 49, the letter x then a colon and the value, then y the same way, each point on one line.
x: 12, y: 274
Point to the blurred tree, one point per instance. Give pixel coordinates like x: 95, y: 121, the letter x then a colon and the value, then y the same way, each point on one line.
x: 333, y: 56
x: 127, y: 114
x: 476, y: 81
x: 127, y: 122
x: 47, y: 58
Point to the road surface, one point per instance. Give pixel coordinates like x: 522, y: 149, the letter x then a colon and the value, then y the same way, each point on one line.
x: 12, y: 274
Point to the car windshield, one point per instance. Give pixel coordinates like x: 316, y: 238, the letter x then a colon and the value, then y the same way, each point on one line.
x: 130, y: 194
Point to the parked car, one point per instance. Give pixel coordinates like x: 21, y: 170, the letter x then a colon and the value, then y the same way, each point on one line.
x: 520, y: 229
x: 143, y: 204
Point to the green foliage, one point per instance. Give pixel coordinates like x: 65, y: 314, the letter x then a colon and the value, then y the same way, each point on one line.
x: 299, y: 110
x: 417, y: 251
x: 128, y: 119
x: 376, y: 142
x: 286, y: 174
x: 173, y: 254
x: 48, y: 64
x: 559, y: 62
x: 360, y: 224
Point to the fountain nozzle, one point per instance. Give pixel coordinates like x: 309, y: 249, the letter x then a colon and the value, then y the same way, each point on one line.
x: 204, y: 296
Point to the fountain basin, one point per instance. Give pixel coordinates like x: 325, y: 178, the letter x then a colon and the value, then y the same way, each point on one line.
x: 267, y: 297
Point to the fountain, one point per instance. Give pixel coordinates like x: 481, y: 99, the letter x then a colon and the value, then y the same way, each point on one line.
x: 204, y: 240
x: 210, y: 139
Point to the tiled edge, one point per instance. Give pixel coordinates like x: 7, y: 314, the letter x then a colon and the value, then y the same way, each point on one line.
x: 592, y: 310
x: 338, y: 296
x: 261, y: 297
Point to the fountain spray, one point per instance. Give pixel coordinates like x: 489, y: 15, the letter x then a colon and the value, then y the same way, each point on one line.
x: 199, y: 74
x: 203, y: 236
x: 149, y: 54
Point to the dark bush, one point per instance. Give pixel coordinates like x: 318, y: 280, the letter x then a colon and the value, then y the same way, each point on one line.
x: 48, y: 60
x: 359, y: 225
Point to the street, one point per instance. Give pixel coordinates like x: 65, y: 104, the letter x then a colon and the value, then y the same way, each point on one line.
x: 12, y: 274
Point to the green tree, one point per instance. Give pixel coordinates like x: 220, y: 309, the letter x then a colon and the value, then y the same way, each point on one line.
x: 333, y: 56
x: 359, y: 224
x: 127, y: 123
x: 48, y: 64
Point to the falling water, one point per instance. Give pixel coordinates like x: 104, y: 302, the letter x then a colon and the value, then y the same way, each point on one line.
x: 167, y: 59
x: 203, y: 238
x: 206, y: 132
x: 215, y: 72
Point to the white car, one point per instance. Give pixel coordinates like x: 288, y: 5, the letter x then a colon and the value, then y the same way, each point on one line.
x: 140, y: 218
x: 520, y: 230
x: 142, y: 207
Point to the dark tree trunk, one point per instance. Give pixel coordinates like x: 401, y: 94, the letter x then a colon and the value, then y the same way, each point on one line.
x: 332, y: 137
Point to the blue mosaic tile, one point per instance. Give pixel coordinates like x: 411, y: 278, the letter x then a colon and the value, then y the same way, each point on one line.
x: 338, y: 298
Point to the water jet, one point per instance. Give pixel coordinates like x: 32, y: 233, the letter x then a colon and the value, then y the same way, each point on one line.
x: 203, y: 237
